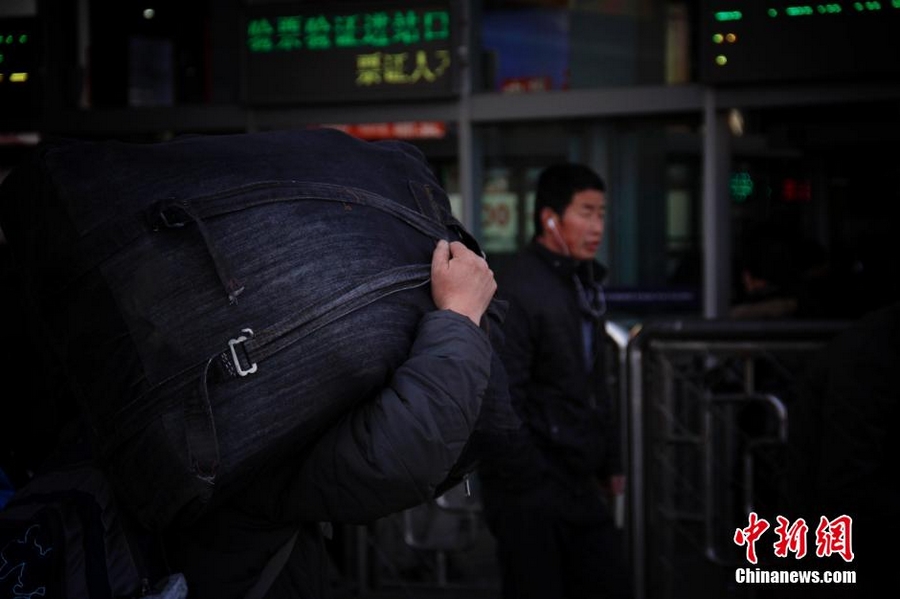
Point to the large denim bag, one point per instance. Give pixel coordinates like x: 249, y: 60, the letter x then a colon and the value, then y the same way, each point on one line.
x: 220, y: 300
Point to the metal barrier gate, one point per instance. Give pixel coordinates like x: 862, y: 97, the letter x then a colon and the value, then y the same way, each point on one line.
x: 707, y: 416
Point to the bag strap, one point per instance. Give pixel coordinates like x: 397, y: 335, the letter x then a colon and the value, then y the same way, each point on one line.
x: 176, y: 213
x: 105, y: 239
x: 247, y: 350
x: 271, y: 570
x: 172, y: 212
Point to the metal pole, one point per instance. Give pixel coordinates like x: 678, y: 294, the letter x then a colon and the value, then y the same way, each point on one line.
x: 716, y: 211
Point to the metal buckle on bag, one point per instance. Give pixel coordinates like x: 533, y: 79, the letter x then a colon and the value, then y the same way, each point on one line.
x: 168, y: 214
x: 234, y: 357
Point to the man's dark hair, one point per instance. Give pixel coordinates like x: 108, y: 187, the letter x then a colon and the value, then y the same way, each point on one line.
x: 558, y: 183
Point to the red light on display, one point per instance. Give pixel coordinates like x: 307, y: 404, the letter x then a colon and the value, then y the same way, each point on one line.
x: 514, y: 85
x: 794, y: 190
x: 401, y: 130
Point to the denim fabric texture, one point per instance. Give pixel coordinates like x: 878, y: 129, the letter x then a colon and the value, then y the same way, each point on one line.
x: 148, y: 259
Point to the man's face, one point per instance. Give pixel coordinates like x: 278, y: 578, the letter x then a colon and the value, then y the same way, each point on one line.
x: 582, y: 222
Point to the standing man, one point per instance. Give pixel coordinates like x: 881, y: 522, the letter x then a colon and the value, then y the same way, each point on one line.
x: 547, y: 495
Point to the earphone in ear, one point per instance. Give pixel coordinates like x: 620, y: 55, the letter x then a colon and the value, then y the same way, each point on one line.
x: 551, y: 225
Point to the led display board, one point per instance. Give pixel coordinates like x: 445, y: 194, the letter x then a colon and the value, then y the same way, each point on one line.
x: 19, y: 61
x: 297, y: 52
x: 749, y: 41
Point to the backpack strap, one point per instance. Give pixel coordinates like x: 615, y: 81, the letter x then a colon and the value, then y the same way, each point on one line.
x: 246, y: 350
x: 271, y: 570
x: 104, y: 240
x: 177, y: 213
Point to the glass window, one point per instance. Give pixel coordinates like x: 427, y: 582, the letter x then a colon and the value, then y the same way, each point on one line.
x: 550, y: 45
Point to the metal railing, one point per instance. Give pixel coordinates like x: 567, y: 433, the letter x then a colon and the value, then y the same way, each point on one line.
x: 707, y: 417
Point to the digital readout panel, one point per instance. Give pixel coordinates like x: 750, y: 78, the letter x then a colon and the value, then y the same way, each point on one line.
x: 344, y: 52
x: 750, y: 41
x: 19, y: 62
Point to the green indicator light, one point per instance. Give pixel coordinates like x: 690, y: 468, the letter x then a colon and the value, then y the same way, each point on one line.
x: 9, y: 39
x: 718, y: 38
x: 895, y: 3
x: 773, y: 12
x: 798, y: 11
x: 729, y: 15
x: 721, y: 60
x: 741, y: 185
x: 23, y: 39
x: 858, y: 6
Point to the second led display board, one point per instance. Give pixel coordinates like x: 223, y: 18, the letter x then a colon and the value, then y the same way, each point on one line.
x: 754, y: 41
x: 297, y: 53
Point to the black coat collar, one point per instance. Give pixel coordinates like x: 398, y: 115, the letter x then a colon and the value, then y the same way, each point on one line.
x: 589, y: 271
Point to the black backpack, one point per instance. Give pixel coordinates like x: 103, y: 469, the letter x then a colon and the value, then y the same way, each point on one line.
x: 63, y: 536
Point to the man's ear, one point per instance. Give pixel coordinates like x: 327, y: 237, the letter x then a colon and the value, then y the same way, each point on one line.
x: 548, y: 215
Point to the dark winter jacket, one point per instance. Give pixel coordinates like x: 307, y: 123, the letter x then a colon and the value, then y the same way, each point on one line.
x: 571, y: 435
x: 390, y: 454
